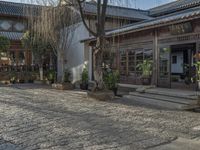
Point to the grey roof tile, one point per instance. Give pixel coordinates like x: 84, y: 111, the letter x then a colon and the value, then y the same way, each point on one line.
x: 117, y: 11
x: 15, y: 9
x: 155, y: 22
x: 173, y: 7
x: 12, y: 35
x: 189, y: 13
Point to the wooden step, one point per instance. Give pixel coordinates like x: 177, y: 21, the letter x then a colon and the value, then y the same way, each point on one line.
x: 158, y: 103
x: 166, y: 98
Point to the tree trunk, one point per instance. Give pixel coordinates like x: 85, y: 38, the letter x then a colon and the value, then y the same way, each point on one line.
x: 41, y: 72
x: 60, y: 67
x: 97, y: 61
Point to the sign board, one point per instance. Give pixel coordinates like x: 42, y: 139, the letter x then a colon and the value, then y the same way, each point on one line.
x: 181, y: 28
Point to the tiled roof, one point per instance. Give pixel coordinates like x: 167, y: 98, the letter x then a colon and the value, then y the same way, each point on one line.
x: 12, y: 35
x: 14, y: 9
x: 156, y: 22
x: 173, y: 7
x: 17, y: 9
x: 160, y: 21
x: 116, y: 11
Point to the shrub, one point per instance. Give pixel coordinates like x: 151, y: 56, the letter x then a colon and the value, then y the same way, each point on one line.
x: 5, y: 44
x: 51, y: 75
x: 111, y: 78
x: 84, y: 76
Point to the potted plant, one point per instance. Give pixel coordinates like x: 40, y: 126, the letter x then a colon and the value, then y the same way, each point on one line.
x: 84, y: 79
x: 146, y: 68
x: 197, y: 66
x: 111, y: 78
x: 13, y: 78
x: 51, y: 76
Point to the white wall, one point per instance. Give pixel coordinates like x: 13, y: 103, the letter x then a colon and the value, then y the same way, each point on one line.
x: 75, y: 53
x: 178, y: 67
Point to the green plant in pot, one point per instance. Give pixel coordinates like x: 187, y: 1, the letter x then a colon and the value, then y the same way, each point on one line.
x: 84, y: 79
x: 13, y: 78
x: 51, y: 76
x: 111, y: 78
x: 197, y: 65
x: 146, y: 68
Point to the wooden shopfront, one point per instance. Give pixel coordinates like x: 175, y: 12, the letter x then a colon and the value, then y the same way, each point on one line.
x: 170, y: 53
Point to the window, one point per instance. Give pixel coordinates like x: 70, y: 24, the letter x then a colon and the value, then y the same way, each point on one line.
x: 130, y: 58
x: 174, y: 59
x: 123, y: 62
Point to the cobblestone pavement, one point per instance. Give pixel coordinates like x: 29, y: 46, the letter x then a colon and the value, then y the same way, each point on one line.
x: 62, y: 120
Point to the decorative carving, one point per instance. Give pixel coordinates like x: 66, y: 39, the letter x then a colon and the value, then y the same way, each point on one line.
x: 5, y: 25
x: 19, y: 26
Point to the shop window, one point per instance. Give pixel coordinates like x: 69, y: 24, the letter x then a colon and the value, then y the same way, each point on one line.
x: 130, y: 58
x: 148, y: 54
x: 123, y: 62
x: 131, y: 61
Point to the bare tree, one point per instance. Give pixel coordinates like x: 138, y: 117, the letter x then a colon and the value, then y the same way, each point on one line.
x: 54, y: 24
x: 99, y: 34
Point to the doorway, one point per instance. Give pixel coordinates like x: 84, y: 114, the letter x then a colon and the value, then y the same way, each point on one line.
x: 176, y: 66
x: 182, y: 66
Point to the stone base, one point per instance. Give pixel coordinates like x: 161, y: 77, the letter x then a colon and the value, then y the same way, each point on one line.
x: 62, y: 86
x: 38, y: 82
x: 102, y: 95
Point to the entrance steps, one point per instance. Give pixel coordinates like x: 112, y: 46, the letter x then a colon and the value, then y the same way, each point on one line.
x: 164, y: 98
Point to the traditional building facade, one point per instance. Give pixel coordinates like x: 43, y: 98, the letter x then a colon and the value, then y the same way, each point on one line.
x: 18, y: 60
x: 76, y: 54
x: 13, y: 23
x: 171, y: 39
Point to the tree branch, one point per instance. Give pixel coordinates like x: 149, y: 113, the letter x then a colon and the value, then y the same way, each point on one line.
x: 84, y: 19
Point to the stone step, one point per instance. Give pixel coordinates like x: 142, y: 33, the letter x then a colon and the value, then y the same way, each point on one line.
x: 166, y: 98
x: 124, y: 89
x: 173, y: 93
x: 159, y: 103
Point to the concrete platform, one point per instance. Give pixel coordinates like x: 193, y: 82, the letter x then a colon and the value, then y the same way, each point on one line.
x: 180, y: 144
x: 163, y: 97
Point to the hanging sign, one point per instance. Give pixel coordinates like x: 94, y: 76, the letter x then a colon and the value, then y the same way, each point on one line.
x: 181, y: 28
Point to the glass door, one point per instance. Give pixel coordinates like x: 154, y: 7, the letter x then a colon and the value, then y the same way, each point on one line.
x: 164, y: 67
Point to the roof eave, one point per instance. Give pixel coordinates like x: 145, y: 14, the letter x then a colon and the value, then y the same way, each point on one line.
x: 143, y: 29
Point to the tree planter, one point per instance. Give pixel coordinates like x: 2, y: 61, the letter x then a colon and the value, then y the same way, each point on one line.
x: 84, y: 86
x: 198, y: 85
x: 38, y: 82
x: 102, y: 95
x: 21, y: 81
x: 30, y: 81
x: 12, y: 81
x: 63, y: 86
x: 115, y: 91
x: 49, y: 82
x: 146, y: 80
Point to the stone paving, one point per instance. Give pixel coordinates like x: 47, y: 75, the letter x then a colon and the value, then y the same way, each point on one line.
x: 60, y: 120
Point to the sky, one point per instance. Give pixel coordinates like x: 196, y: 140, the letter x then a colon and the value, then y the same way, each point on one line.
x: 139, y: 4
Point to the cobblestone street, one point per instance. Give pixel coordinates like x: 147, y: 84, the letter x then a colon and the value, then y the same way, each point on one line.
x: 50, y: 119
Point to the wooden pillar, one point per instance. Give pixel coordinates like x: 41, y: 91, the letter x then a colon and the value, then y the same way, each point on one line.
x: 127, y: 61
x: 155, y: 58
x: 26, y: 57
